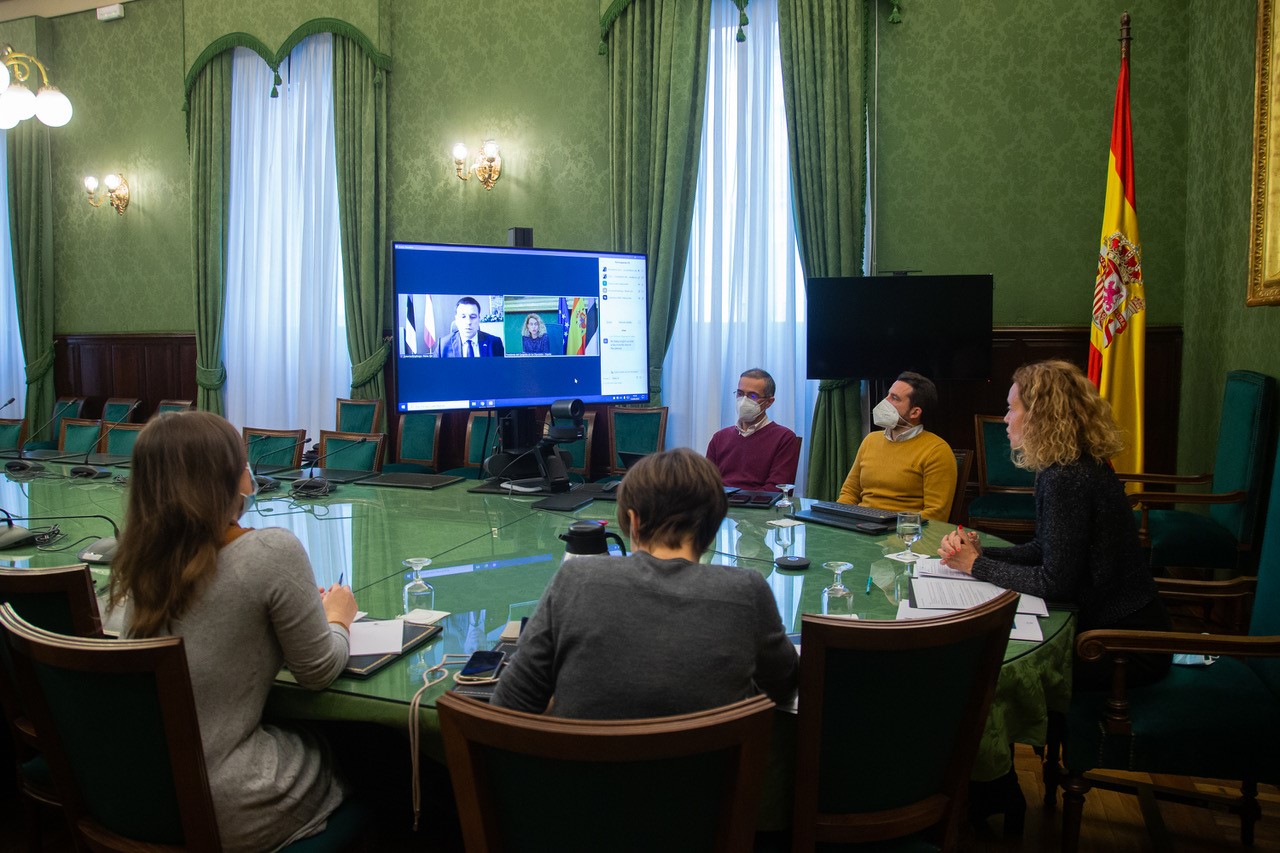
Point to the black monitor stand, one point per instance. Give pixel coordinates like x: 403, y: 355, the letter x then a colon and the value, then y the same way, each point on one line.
x: 527, y: 456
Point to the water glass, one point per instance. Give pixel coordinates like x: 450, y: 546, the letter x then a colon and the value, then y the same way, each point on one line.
x: 418, y: 594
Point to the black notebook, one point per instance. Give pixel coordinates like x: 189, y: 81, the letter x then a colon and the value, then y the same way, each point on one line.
x: 364, y: 666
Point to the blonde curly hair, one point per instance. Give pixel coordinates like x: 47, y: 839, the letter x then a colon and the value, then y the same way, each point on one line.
x: 1065, y: 417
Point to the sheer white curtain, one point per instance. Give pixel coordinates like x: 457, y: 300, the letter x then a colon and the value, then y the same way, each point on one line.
x: 13, y: 372
x: 286, y: 333
x: 743, y: 300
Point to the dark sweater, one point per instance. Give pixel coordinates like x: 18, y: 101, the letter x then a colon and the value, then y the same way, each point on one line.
x: 1086, y: 550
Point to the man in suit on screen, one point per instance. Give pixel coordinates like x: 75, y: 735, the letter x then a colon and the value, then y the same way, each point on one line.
x: 466, y: 340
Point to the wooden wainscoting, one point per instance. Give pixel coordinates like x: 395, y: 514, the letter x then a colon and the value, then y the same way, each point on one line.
x: 151, y: 367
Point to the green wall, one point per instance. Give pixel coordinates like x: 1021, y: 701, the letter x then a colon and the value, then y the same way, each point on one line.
x: 1222, y: 333
x: 994, y: 122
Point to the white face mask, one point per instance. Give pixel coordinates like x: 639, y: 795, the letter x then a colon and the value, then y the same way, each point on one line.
x: 884, y: 415
x: 748, y: 410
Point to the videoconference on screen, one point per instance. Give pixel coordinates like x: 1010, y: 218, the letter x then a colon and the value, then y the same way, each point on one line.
x: 487, y: 327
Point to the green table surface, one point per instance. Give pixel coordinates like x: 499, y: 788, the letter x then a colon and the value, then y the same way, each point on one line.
x: 492, y: 556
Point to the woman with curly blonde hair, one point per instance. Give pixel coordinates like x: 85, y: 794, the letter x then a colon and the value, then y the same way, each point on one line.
x: 1085, y: 551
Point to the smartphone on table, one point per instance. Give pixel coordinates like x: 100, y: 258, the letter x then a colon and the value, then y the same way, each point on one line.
x: 483, y: 666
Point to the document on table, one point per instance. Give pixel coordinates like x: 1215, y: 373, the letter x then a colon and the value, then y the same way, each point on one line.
x: 932, y: 567
x: 934, y: 593
x: 384, y: 637
x: 1026, y: 626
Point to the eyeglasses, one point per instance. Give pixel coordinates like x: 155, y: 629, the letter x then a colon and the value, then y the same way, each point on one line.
x: 750, y: 395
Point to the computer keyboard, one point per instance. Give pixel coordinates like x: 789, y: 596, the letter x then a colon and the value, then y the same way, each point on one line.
x: 854, y: 513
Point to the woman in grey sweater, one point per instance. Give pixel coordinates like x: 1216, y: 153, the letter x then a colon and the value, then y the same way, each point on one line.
x: 244, y: 602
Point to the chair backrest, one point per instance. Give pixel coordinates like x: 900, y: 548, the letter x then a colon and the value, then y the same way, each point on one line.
x: 535, y: 783
x: 996, y: 471
x: 1265, y: 621
x: 118, y: 409
x: 119, y: 438
x: 482, y: 432
x: 174, y: 406
x: 79, y: 435
x: 964, y: 464
x: 934, y: 678
x: 13, y: 433
x: 276, y: 448
x: 579, y: 451
x: 353, y: 451
x: 635, y: 431
x: 64, y: 407
x: 137, y: 774
x: 1244, y: 442
x: 418, y: 438
x: 363, y: 416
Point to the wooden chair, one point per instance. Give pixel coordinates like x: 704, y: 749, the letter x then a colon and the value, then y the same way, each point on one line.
x: 140, y: 692
x: 417, y: 443
x: 964, y: 464
x: 63, y: 407
x: 362, y: 416
x: 534, y: 782
x: 1214, y: 721
x: 174, y: 406
x: 482, y: 433
x: 579, y: 452
x: 13, y: 432
x: 1224, y: 538
x: 1006, y: 493
x: 351, y: 451
x: 118, y: 439
x: 57, y: 599
x: 273, y: 449
x: 934, y: 678
x: 119, y: 409
x: 635, y: 431
x: 79, y: 435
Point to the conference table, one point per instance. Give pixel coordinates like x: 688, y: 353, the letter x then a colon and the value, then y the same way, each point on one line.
x: 491, y: 556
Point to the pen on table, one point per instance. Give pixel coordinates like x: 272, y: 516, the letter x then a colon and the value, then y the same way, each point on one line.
x: 868, y: 584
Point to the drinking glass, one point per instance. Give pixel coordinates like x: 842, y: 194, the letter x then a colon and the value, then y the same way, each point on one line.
x: 417, y: 592
x: 909, y: 533
x: 837, y: 598
x: 785, y: 507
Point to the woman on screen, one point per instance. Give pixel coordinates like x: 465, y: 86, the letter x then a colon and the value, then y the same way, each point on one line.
x: 1086, y: 549
x: 244, y: 601
x: 534, y: 337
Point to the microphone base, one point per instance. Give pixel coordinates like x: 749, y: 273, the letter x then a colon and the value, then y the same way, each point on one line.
x: 23, y: 466
x: 87, y: 472
x: 99, y: 553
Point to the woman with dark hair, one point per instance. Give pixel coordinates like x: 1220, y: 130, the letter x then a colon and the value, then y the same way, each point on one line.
x: 1086, y: 550
x: 655, y: 633
x: 534, y: 336
x: 244, y: 602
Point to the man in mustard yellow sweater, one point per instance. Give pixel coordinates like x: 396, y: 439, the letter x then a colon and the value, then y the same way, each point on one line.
x: 904, y: 468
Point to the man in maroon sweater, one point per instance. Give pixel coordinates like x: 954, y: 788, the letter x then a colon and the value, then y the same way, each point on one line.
x: 755, y: 453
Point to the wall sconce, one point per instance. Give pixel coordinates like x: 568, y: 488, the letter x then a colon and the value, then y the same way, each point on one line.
x: 16, y: 101
x: 487, y: 167
x: 117, y: 192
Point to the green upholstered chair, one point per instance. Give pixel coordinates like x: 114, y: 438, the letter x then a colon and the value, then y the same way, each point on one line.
x: 539, y: 783
x: 13, y: 432
x: 642, y: 430
x: 118, y: 439
x: 579, y: 452
x: 118, y: 409
x: 273, y: 449
x: 174, y: 406
x: 482, y: 435
x: 362, y: 416
x: 1217, y: 721
x: 57, y: 599
x: 417, y: 444
x: 933, y: 678
x: 143, y: 783
x: 79, y: 435
x: 350, y: 451
x: 1006, y: 493
x: 1224, y: 540
x: 964, y: 464
x: 63, y: 407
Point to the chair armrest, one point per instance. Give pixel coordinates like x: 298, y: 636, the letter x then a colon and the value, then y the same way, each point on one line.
x: 1185, y: 589
x: 1173, y: 498
x: 1165, y: 479
x: 1093, y: 645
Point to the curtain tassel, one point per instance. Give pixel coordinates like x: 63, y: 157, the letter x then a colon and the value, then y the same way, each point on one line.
x: 275, y: 86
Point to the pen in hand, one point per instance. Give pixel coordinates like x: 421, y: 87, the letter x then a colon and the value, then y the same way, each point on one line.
x: 341, y: 575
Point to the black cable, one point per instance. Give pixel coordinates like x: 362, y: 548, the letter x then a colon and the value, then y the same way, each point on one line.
x: 741, y: 557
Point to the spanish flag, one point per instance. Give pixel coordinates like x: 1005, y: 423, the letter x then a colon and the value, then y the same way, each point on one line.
x: 1117, y: 340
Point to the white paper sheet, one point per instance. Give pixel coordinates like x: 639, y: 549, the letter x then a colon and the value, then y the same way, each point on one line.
x: 1025, y: 625
x: 932, y: 567
x: 933, y: 593
x: 424, y: 617
x: 383, y: 637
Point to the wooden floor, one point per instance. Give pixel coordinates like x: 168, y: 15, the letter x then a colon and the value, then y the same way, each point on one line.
x: 1113, y: 823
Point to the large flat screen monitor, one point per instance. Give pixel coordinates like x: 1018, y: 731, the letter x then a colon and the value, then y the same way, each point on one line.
x: 875, y: 327
x: 484, y: 327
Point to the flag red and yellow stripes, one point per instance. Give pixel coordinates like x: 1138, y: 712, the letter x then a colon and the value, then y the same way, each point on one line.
x: 1117, y: 340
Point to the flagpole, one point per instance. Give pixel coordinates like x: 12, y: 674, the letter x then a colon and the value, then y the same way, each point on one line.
x: 1125, y: 38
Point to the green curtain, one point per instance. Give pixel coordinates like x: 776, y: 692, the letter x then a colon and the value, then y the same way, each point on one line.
x: 209, y: 138
x: 824, y: 52
x: 657, y: 74
x: 31, y: 234
x: 360, y: 125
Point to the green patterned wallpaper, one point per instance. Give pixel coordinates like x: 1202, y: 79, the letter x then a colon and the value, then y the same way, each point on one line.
x: 994, y: 126
x: 272, y: 21
x: 1221, y: 333
x: 124, y: 78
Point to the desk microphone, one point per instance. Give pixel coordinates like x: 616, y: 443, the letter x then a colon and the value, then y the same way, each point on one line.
x: 7, y: 403
x: 314, y: 486
x: 85, y: 471
x: 30, y: 466
x: 99, y: 551
x: 13, y: 535
x: 262, y: 482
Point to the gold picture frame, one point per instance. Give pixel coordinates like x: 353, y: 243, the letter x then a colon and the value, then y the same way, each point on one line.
x: 1264, y: 230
